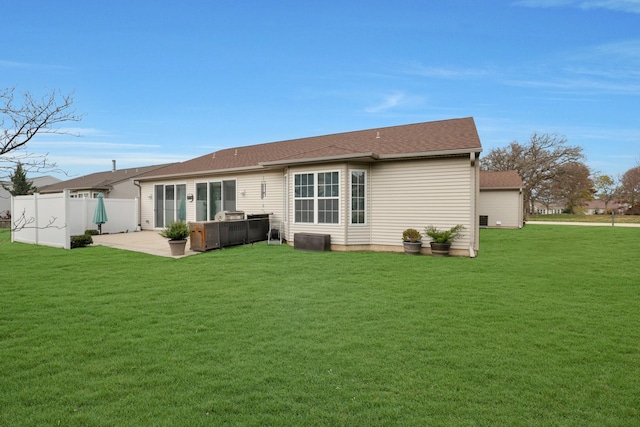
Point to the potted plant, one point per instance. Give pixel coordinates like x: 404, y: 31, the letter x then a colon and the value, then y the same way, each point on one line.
x: 441, y: 239
x: 177, y: 233
x: 411, y: 240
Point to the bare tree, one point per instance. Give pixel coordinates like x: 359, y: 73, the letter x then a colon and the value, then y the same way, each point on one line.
x: 538, y: 162
x: 21, y: 121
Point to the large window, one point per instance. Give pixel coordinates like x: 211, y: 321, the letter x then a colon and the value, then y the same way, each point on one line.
x: 213, y: 197
x: 317, y: 197
x: 358, y: 197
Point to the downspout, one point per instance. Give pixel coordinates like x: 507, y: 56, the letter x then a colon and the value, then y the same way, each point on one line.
x: 474, y: 196
x: 137, y: 184
x: 346, y: 211
x: 284, y: 232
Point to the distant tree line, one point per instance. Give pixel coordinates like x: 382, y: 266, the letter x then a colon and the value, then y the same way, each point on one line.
x: 553, y: 173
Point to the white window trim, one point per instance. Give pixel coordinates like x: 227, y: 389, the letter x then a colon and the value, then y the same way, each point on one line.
x: 175, y: 200
x: 366, y: 199
x: 316, y: 198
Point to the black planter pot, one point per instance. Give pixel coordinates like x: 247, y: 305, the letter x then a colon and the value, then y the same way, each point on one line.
x: 412, y: 248
x: 440, y: 249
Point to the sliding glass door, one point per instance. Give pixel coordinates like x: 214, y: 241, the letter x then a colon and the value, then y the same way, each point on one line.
x: 213, y: 197
x: 170, y: 204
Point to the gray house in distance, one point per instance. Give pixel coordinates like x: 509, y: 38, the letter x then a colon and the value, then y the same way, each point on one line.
x: 5, y: 196
x: 115, y: 184
x: 501, y: 201
x: 362, y: 188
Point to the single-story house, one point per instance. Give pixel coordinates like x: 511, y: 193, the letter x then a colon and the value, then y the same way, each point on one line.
x: 361, y: 188
x: 553, y: 208
x: 501, y: 201
x: 597, y: 207
x: 115, y: 184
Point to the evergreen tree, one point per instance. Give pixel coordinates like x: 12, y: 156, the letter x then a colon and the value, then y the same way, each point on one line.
x: 20, y: 184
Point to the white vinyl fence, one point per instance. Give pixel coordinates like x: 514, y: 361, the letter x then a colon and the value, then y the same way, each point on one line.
x: 51, y: 219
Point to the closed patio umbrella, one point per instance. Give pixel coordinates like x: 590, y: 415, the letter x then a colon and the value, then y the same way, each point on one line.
x: 100, y: 214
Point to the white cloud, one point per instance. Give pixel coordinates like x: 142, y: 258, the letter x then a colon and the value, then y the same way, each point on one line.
x: 445, y: 72
x: 394, y: 100
x: 17, y: 64
x: 629, y: 6
x: 609, y: 68
x: 90, y: 145
x: 542, y: 3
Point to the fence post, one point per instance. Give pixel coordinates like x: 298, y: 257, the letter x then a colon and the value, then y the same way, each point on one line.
x: 37, y: 217
x: 67, y: 215
x: 12, y: 212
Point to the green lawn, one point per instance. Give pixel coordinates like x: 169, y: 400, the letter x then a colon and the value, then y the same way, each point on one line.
x: 543, y: 328
x: 633, y: 219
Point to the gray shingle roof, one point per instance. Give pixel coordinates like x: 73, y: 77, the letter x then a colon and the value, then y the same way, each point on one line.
x: 98, y: 180
x: 500, y: 180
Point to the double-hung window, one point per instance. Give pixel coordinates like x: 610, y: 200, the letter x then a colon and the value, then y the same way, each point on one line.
x: 317, y: 198
x: 328, y: 198
x: 304, y: 193
x: 358, y: 197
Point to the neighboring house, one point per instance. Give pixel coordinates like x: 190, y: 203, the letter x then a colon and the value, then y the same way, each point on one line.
x: 501, y: 201
x: 5, y: 196
x: 597, y: 207
x: 115, y: 184
x: 362, y: 188
x: 551, y: 209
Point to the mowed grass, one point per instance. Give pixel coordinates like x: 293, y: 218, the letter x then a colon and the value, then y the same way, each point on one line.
x: 602, y: 218
x: 543, y: 328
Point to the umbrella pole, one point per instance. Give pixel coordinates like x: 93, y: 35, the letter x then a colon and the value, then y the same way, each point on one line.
x: 99, y: 228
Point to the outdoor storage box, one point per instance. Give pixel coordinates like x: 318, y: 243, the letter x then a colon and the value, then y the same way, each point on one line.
x: 312, y: 241
x: 206, y: 235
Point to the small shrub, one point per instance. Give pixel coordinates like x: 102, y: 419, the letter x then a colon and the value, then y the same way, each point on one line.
x: 176, y: 231
x: 444, y: 236
x: 411, y: 235
x: 91, y: 232
x: 81, y: 241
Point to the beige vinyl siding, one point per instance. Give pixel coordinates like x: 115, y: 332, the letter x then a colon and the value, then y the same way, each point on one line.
x: 419, y: 193
x: 146, y: 205
x: 249, y: 194
x: 358, y: 235
x: 124, y: 190
x: 504, y: 206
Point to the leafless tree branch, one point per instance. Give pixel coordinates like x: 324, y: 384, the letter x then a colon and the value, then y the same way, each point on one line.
x: 22, y: 222
x: 21, y: 121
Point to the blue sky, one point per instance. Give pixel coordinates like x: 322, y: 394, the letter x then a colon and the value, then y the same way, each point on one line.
x: 166, y: 81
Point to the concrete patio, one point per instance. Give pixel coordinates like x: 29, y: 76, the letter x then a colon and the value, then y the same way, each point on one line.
x: 149, y: 242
